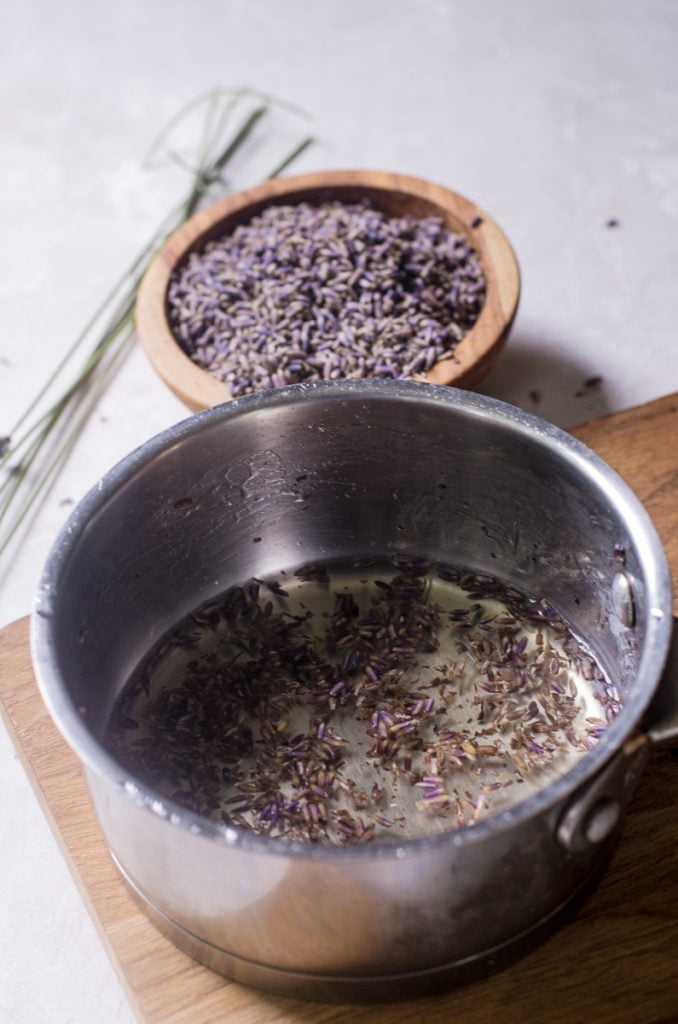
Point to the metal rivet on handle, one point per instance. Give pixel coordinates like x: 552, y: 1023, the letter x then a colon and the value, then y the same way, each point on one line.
x: 594, y: 812
x: 602, y: 820
x: 622, y: 599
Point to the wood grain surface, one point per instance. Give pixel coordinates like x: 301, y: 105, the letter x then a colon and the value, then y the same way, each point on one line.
x: 394, y: 194
x: 642, y: 445
x: 616, y: 963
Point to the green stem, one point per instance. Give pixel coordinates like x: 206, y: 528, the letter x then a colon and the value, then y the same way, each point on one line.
x: 296, y: 152
x: 239, y: 138
x: 90, y: 365
x: 14, y: 481
x: 68, y: 414
x: 208, y: 97
x: 211, y: 96
x: 156, y: 240
x: 53, y: 467
x: 206, y: 175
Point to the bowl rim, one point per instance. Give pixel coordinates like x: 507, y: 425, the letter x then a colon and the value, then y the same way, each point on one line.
x: 482, y: 408
x: 198, y: 389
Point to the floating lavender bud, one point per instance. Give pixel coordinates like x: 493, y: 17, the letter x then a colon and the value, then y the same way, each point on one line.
x: 289, y: 715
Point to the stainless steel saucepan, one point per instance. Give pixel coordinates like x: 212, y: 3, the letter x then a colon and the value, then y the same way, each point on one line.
x: 332, y: 470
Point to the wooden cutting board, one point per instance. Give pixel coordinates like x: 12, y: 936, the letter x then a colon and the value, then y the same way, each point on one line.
x: 616, y: 963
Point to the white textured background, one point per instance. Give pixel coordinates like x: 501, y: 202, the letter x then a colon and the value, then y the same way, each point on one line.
x: 555, y: 117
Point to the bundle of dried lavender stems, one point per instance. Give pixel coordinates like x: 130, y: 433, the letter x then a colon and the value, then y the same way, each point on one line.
x: 41, y: 440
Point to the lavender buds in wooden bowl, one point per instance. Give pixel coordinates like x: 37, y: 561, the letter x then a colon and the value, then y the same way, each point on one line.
x: 344, y: 274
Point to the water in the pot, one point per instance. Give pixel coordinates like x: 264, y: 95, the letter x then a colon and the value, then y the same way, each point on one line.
x: 363, y: 700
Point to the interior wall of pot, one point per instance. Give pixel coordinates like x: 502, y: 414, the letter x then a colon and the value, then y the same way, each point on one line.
x: 321, y: 478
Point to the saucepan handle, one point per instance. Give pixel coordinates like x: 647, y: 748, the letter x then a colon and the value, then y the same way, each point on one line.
x: 594, y: 812
x: 660, y: 723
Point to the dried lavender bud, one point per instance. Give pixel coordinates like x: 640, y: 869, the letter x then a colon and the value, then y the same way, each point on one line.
x: 304, y: 293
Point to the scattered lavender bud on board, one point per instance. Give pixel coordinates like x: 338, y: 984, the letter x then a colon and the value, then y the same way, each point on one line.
x: 305, y: 293
x: 365, y: 701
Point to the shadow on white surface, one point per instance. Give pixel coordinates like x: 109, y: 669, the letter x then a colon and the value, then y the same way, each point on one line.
x: 535, y: 373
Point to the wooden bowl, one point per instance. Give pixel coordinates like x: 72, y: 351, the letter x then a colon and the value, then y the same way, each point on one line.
x: 394, y: 194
